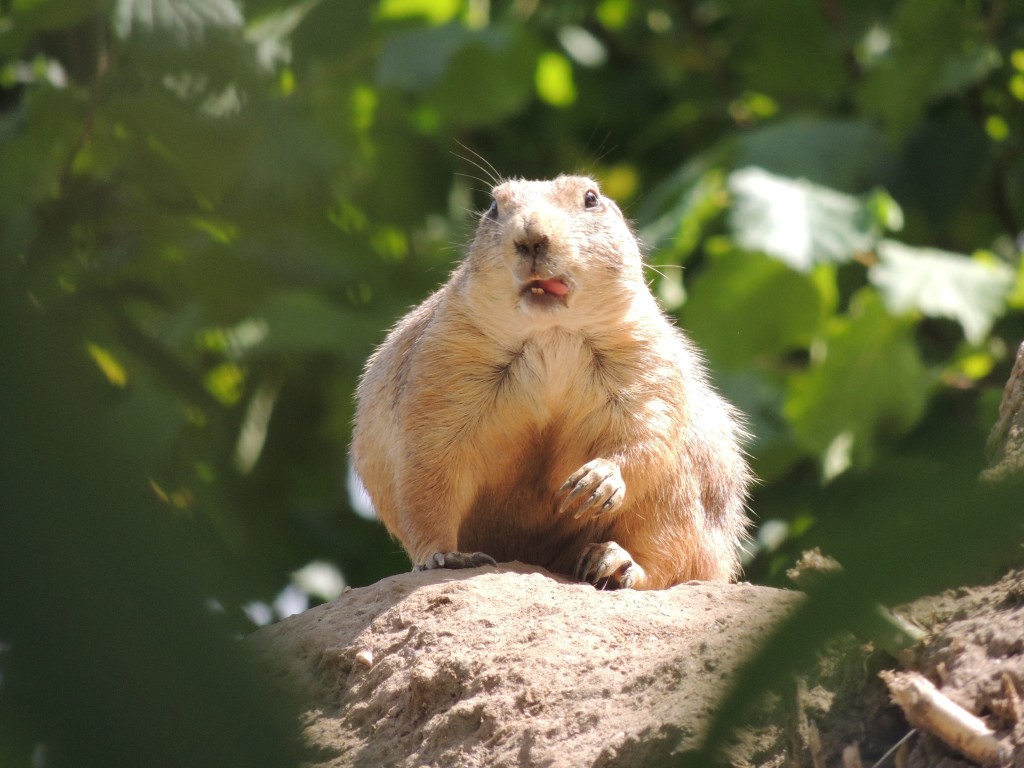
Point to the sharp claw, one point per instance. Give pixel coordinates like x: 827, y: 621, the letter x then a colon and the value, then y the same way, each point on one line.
x: 577, y: 492
x: 583, y: 508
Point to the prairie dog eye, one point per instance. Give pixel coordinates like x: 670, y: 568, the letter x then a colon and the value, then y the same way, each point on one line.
x: 492, y: 211
x: 591, y: 199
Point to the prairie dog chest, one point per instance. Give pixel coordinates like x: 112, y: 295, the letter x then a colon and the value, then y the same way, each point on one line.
x: 552, y: 372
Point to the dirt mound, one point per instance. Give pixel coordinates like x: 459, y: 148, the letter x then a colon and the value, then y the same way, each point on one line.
x: 512, y: 666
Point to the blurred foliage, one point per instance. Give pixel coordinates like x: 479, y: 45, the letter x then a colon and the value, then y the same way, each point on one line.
x: 216, y: 209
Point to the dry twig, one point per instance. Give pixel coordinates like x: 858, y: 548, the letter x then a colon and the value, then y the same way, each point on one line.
x: 928, y: 709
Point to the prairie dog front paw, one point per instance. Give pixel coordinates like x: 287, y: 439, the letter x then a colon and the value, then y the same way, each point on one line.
x: 455, y: 560
x: 607, y: 565
x: 600, y: 486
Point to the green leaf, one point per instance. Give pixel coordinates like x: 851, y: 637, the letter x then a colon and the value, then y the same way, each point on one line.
x: 417, y: 60
x: 965, y: 69
x: 938, y: 283
x: 555, y: 85
x: 747, y: 306
x: 835, y: 153
x: 677, y: 231
x: 474, y: 76
x: 785, y: 49
x: 923, y: 62
x: 866, y: 383
x: 37, y: 141
x: 28, y: 17
x: 759, y: 397
x: 203, y: 154
x: 271, y: 34
x: 187, y: 21
x: 801, y: 223
x: 491, y: 77
x: 434, y: 11
x: 300, y: 322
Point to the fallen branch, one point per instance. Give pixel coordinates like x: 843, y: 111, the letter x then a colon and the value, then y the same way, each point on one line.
x: 928, y: 709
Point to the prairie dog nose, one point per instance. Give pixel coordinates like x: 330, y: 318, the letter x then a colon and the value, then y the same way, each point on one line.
x: 532, y: 245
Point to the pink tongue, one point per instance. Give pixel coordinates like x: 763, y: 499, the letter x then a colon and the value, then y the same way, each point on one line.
x: 554, y: 287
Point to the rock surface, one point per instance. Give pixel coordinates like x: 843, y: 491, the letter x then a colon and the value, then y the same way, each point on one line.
x: 512, y: 666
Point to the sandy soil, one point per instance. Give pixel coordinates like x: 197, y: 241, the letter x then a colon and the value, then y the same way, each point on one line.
x: 511, y: 666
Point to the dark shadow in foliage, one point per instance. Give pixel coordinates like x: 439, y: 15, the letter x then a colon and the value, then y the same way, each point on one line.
x: 110, y: 657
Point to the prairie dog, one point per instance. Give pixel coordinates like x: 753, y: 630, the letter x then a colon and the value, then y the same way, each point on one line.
x: 541, y: 407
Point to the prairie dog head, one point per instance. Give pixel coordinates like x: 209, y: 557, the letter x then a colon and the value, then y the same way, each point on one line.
x: 552, y: 249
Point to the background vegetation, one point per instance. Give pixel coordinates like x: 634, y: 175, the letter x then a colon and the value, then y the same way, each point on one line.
x: 211, y: 211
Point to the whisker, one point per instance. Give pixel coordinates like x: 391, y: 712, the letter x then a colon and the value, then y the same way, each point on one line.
x: 486, y: 168
x: 486, y: 189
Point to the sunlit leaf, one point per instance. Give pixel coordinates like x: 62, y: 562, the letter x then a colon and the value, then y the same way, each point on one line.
x: 942, y: 284
x: 271, y: 33
x: 434, y: 11
x: 186, y: 20
x: 582, y: 45
x: 554, y: 80
x: 226, y: 382
x: 798, y: 222
x: 111, y: 367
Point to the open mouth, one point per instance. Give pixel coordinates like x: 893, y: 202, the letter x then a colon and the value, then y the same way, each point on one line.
x: 555, y: 287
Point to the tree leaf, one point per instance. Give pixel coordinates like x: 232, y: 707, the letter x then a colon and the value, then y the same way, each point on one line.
x: 747, y: 306
x: 301, y: 323
x: 434, y: 11
x: 801, y: 223
x: 416, y: 60
x: 943, y: 284
x: 37, y: 140
x: 785, y: 49
x: 185, y: 20
x: 839, y: 154
x: 19, y: 23
x: 471, y: 94
x: 271, y: 34
x: 928, y: 41
x: 554, y: 79
x: 456, y: 66
x: 867, y: 382
x: 694, y: 197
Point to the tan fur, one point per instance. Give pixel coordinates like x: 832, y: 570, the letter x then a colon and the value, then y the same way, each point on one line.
x: 484, y: 399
